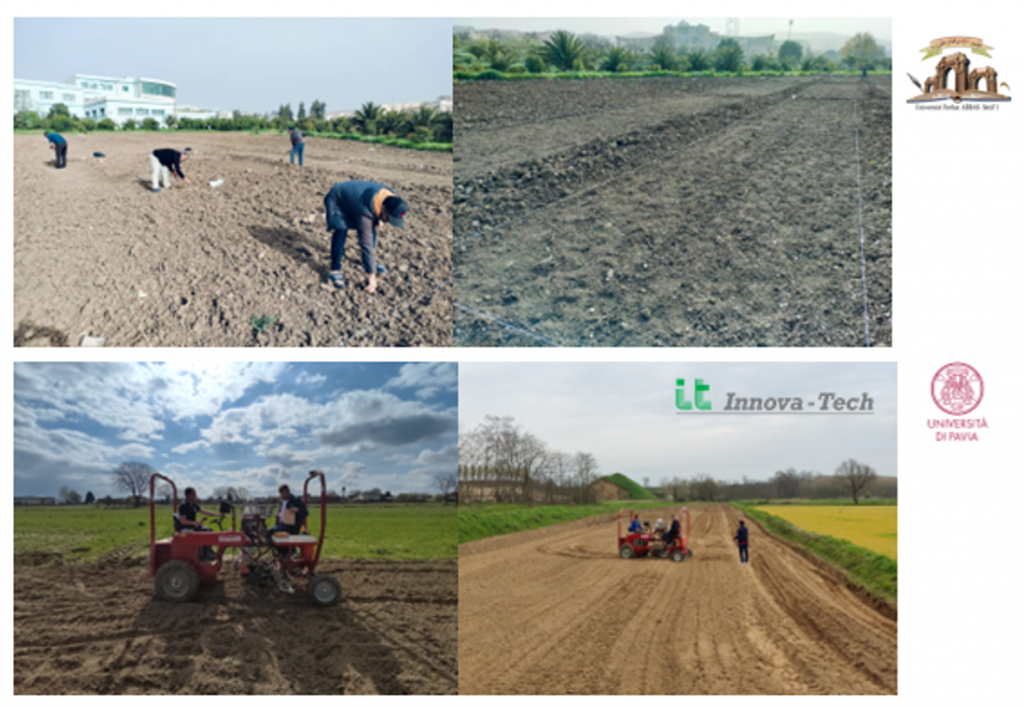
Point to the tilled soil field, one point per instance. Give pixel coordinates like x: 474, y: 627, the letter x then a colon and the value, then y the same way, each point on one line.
x: 97, y: 254
x: 556, y: 611
x: 97, y: 629
x: 673, y: 212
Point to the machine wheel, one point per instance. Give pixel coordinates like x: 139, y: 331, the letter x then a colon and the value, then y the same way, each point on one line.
x: 677, y: 555
x: 689, y: 553
x: 177, y: 581
x: 626, y: 552
x: 324, y: 590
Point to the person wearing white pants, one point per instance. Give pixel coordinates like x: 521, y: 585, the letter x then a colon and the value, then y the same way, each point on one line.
x: 164, y: 163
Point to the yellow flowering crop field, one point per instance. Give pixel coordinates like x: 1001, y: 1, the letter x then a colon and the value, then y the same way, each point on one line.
x: 873, y: 527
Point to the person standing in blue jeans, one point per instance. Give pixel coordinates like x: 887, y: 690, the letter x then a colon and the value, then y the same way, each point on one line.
x: 298, y: 143
x: 60, y: 149
x: 742, y: 539
x: 362, y: 207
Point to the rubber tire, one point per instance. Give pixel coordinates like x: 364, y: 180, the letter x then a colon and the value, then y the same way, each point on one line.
x: 677, y: 555
x: 689, y: 553
x: 177, y: 581
x: 324, y: 590
x: 626, y: 552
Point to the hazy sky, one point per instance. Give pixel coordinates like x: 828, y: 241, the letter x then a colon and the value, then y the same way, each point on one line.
x: 881, y: 28
x: 625, y: 415
x: 249, y: 64
x: 255, y: 425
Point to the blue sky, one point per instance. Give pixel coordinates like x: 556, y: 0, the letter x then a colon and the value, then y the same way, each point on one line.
x: 249, y: 64
x: 387, y: 425
x: 625, y: 415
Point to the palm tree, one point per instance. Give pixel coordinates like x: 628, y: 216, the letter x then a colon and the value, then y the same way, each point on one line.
x: 664, y: 57
x: 498, y: 55
x: 365, y: 119
x: 698, y: 60
x: 617, y: 59
x: 390, y: 122
x: 563, y: 50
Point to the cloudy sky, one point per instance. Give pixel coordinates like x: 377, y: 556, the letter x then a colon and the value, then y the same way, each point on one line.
x: 625, y: 414
x: 255, y: 425
x: 249, y: 64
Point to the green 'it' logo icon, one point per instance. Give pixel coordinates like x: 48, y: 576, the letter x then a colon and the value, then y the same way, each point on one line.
x: 699, y: 389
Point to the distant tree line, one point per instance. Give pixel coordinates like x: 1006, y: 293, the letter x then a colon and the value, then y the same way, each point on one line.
x: 564, y: 51
x: 851, y: 479
x: 500, y: 461
x: 421, y: 125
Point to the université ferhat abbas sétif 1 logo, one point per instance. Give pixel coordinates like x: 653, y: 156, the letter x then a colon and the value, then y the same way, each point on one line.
x: 954, y: 79
x: 957, y: 390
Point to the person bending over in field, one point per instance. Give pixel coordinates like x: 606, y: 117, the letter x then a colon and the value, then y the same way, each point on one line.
x: 60, y: 149
x: 164, y: 163
x: 362, y: 207
x: 742, y: 539
x: 298, y: 144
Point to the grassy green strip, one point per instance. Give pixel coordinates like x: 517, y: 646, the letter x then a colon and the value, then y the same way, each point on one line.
x: 876, y: 573
x: 636, y: 491
x: 485, y: 520
x: 375, y: 139
x: 821, y: 502
x: 492, y: 75
x: 391, y: 141
x: 371, y: 531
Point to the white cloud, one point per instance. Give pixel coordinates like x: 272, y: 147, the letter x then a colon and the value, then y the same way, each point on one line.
x: 305, y: 378
x: 190, y: 446
x: 428, y: 378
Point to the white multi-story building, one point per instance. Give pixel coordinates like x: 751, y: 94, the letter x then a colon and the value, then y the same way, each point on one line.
x: 99, y: 97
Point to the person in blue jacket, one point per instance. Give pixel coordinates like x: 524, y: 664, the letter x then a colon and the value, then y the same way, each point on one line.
x: 60, y: 149
x: 362, y: 207
x: 635, y: 526
x: 742, y: 539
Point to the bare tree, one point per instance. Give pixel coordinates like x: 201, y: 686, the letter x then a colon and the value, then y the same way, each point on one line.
x: 647, y: 481
x: 133, y: 479
x: 164, y: 491
x: 447, y: 482
x: 854, y: 476
x: 70, y: 496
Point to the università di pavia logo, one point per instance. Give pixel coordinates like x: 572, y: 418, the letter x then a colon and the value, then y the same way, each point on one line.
x: 957, y: 390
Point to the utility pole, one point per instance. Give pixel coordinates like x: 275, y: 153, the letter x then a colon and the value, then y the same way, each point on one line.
x: 790, y: 32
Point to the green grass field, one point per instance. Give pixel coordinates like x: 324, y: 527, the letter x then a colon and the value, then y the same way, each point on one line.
x: 389, y: 532
x: 484, y: 520
x: 872, y: 570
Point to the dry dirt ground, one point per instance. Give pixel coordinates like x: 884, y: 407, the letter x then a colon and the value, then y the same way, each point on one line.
x: 673, y: 212
x: 96, y: 253
x: 97, y: 629
x: 556, y: 611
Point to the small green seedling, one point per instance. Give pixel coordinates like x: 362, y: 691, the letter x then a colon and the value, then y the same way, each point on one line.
x: 261, y: 324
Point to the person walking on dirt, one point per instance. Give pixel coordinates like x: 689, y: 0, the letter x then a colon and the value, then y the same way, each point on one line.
x: 742, y: 539
x: 361, y: 206
x: 298, y: 143
x: 163, y: 163
x: 60, y: 149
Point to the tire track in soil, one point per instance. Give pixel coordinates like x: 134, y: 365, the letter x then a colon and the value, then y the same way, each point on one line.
x: 771, y: 200
x: 560, y: 613
x: 394, y: 632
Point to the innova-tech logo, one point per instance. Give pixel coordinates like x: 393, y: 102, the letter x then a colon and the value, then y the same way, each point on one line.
x: 957, y: 390
x: 828, y: 403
